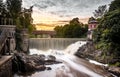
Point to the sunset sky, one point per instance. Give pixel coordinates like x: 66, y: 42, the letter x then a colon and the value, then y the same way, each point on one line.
x: 48, y: 13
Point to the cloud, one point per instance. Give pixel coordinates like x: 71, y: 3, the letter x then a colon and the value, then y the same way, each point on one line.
x: 44, y: 4
x: 66, y: 8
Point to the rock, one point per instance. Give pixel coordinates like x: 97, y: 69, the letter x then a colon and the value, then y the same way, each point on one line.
x: 40, y: 68
x: 114, y: 70
x: 51, y: 58
x: 42, y: 57
x: 88, y: 51
x: 29, y: 63
x: 30, y: 67
x: 48, y: 68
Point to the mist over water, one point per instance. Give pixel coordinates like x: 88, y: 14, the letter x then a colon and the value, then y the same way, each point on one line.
x: 67, y: 57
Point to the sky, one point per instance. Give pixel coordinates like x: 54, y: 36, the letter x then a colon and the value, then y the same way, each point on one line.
x: 59, y: 12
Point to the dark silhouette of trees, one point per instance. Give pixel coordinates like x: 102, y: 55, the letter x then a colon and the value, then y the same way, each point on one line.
x: 14, y: 7
x: 114, y: 5
x: 100, y: 11
x: 74, y: 29
x: 1, y: 5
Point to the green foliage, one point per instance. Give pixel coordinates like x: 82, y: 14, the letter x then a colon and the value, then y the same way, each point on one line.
x: 91, y: 19
x: 100, y: 11
x: 107, y: 35
x: 21, y: 17
x: 117, y: 64
x: 14, y: 7
x: 58, y: 30
x: 74, y: 29
x: 114, y: 5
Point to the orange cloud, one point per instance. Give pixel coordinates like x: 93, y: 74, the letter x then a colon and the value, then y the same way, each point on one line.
x: 44, y: 27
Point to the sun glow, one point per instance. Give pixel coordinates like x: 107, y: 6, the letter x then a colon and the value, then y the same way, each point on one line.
x: 47, y: 21
x: 44, y: 27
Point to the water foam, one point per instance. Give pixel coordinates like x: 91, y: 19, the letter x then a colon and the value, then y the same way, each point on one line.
x: 71, y: 49
x: 67, y: 57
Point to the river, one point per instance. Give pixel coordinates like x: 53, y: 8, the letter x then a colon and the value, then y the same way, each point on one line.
x: 64, y: 50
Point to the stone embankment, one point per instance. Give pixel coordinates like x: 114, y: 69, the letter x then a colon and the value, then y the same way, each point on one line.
x: 23, y: 63
x: 88, y: 51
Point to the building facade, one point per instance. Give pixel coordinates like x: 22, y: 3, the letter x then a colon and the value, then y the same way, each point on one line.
x: 92, y: 24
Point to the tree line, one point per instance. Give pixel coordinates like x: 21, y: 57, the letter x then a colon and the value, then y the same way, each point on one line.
x: 107, y: 34
x: 74, y: 29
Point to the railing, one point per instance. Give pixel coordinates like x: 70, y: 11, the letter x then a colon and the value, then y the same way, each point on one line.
x: 3, y: 37
x: 5, y: 33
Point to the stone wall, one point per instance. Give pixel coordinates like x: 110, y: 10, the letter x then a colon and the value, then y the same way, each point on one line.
x: 6, y: 66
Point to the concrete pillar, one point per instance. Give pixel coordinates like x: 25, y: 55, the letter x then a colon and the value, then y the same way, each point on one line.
x: 25, y: 41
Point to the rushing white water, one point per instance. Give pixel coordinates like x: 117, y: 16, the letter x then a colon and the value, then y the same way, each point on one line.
x: 68, y: 59
x: 97, y: 63
x: 71, y: 49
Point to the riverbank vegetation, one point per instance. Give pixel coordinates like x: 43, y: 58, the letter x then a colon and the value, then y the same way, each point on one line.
x: 107, y: 34
x: 13, y: 10
x: 74, y: 29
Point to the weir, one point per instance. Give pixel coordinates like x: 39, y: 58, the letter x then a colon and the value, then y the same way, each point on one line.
x: 52, y: 43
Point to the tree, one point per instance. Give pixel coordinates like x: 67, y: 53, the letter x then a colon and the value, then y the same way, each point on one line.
x: 100, y: 11
x: 1, y: 10
x: 59, y: 32
x: 114, y: 5
x: 107, y: 35
x: 1, y: 5
x: 75, y: 21
x: 14, y: 7
x: 74, y: 29
x: 91, y: 19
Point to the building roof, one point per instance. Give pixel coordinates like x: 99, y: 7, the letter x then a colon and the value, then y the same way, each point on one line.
x: 92, y: 21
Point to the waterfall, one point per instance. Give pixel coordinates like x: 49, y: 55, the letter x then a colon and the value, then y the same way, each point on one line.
x: 65, y: 55
x: 56, y: 46
x: 52, y: 43
x: 71, y: 49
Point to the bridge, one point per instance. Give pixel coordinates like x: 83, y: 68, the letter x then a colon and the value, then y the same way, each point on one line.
x: 43, y: 34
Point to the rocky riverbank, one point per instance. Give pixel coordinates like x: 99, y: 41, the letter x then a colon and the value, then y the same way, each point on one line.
x: 88, y: 51
x: 23, y: 63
